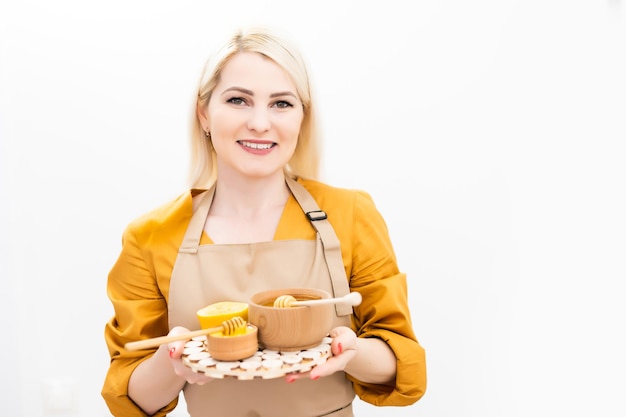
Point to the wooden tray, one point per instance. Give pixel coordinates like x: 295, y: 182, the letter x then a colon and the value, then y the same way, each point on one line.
x: 265, y: 363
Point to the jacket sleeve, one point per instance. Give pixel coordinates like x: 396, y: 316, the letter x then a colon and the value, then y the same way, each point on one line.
x: 140, y: 311
x: 384, y: 312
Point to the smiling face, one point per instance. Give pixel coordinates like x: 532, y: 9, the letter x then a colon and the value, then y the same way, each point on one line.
x: 254, y: 117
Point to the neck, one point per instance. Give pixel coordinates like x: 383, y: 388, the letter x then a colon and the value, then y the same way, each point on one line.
x: 247, y: 198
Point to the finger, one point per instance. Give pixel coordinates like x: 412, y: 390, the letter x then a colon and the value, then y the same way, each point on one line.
x: 293, y: 377
x: 332, y: 365
x: 343, y: 343
x: 343, y: 339
x: 175, y: 349
x: 338, y: 331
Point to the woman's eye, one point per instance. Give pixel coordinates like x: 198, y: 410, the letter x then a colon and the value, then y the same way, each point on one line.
x: 283, y: 104
x: 236, y: 100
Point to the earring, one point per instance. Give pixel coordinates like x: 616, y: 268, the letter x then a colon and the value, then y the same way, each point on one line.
x: 207, y: 134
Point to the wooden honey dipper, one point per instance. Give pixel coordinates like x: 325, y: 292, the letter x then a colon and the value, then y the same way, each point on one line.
x: 283, y: 301
x: 229, y: 327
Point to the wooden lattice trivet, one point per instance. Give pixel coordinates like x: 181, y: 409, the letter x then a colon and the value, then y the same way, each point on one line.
x: 265, y: 363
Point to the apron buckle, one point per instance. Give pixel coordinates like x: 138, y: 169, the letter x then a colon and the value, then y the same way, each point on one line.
x: 316, y: 215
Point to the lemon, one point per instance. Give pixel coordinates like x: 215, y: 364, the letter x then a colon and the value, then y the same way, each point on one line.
x: 215, y: 314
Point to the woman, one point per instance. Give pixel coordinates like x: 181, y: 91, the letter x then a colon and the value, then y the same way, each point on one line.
x: 242, y: 228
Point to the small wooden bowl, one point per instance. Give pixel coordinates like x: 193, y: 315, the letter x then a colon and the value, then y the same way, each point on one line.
x: 289, y: 329
x: 233, y: 348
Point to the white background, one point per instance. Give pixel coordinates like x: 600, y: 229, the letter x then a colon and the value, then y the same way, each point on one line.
x: 490, y: 133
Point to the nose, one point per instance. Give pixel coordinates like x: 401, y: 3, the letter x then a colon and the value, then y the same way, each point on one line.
x: 260, y: 119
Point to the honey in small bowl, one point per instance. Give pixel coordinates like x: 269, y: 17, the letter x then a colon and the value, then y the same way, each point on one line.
x: 290, y: 329
x: 240, y: 345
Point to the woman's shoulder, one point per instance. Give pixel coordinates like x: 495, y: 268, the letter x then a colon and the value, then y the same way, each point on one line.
x: 316, y: 187
x: 331, y: 196
x: 170, y: 214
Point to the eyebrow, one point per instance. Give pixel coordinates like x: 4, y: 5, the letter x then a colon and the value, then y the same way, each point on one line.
x: 250, y: 93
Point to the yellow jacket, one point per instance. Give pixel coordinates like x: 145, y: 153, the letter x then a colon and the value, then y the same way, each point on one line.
x: 138, y: 287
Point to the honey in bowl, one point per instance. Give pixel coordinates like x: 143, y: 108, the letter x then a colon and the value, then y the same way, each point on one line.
x: 293, y: 328
x: 296, y: 297
x: 240, y: 345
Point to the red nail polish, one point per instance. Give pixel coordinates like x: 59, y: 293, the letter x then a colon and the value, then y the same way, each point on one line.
x: 314, y: 378
x: 290, y: 379
x: 172, y: 352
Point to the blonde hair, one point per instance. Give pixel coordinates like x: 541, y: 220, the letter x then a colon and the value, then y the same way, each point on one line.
x: 306, y: 158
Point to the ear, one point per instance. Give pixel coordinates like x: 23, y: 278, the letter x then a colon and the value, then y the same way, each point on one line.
x: 201, y: 112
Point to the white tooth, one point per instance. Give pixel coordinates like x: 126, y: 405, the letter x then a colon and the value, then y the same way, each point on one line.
x: 257, y: 145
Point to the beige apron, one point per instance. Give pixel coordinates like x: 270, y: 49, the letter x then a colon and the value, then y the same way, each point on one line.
x: 206, y: 274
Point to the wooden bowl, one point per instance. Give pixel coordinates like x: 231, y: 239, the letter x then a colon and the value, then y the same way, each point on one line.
x: 290, y: 329
x: 233, y: 348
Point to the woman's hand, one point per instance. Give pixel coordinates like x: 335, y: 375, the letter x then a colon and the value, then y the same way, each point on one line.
x: 369, y: 360
x: 159, y: 379
x: 343, y: 348
x: 175, y: 350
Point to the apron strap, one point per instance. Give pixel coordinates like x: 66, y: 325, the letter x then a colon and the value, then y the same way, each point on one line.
x: 330, y: 243
x: 191, y: 241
